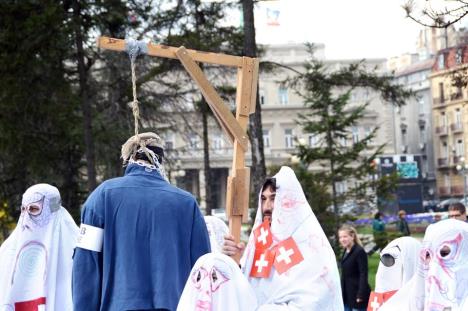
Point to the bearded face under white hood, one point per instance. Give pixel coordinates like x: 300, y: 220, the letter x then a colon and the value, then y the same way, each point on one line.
x: 312, y: 284
x: 36, y: 259
x: 441, y: 280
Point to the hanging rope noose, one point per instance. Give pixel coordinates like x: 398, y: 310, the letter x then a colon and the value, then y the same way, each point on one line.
x: 134, y: 49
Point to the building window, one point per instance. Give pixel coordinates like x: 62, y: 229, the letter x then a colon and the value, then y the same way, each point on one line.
x: 444, y: 152
x: 441, y: 61
x: 313, y: 140
x: 218, y: 142
x: 341, y: 187
x: 194, y: 141
x: 169, y: 141
x: 447, y: 180
x: 343, y: 141
x: 422, y: 135
x: 355, y: 131
x: 289, y: 138
x: 403, y: 137
x: 459, y: 148
x: 261, y: 95
x: 443, y: 119
x: 283, y: 95
x: 421, y: 105
x: 458, y: 116
x: 459, y: 56
x: 266, y: 138
x: 441, y: 92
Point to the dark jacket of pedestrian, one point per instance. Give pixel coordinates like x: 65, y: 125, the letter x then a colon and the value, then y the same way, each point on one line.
x: 354, y: 282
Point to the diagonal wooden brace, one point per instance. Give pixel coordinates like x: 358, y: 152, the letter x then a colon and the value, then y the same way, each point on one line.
x: 228, y: 121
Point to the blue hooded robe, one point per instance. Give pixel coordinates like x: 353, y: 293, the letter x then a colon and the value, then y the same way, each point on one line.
x: 153, y: 235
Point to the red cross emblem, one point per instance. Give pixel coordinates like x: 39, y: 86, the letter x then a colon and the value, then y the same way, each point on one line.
x: 262, y: 234
x: 287, y: 255
x: 376, y: 300
x: 262, y: 263
x: 31, y: 305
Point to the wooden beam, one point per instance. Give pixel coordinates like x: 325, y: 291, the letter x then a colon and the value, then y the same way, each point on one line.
x: 254, y: 85
x: 213, y: 99
x: 237, y: 197
x: 170, y: 52
x: 240, y: 178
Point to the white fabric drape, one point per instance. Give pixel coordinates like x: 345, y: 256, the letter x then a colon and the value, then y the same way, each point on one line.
x: 36, y: 259
x: 216, y: 284
x: 441, y: 279
x: 217, y: 229
x: 314, y: 283
x: 405, y: 250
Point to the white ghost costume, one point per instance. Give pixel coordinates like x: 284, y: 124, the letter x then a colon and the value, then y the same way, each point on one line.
x: 441, y: 279
x: 398, y: 263
x: 217, y: 229
x: 217, y: 284
x: 405, y: 252
x: 36, y: 259
x: 314, y: 283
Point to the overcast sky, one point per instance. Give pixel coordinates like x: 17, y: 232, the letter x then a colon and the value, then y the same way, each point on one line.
x: 348, y: 28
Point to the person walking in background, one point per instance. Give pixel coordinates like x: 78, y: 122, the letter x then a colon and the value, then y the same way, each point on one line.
x: 457, y: 211
x: 354, y: 267
x: 402, y: 224
x: 380, y: 235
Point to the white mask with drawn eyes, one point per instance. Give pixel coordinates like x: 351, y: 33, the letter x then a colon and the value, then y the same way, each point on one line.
x: 37, y: 206
x: 444, y: 255
x: 217, y: 284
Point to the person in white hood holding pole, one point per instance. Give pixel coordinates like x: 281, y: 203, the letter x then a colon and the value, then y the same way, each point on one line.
x: 288, y: 260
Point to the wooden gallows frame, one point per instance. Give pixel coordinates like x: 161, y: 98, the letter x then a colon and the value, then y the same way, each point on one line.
x: 237, y: 197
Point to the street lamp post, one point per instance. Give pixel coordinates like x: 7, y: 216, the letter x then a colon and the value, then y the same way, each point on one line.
x: 462, y: 168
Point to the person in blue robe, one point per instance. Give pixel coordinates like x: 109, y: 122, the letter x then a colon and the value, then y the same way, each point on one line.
x: 139, y: 238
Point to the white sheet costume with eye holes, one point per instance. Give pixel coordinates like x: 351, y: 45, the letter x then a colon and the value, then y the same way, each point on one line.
x: 441, y: 280
x: 36, y: 259
x: 217, y: 229
x: 314, y: 283
x: 216, y: 283
x: 405, y: 252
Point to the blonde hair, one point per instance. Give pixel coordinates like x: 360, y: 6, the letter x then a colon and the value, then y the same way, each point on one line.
x: 352, y: 232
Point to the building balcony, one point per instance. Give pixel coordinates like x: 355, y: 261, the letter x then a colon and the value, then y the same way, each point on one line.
x: 456, y: 96
x: 456, y: 190
x: 457, y: 159
x: 437, y: 101
x: 444, y: 191
x: 456, y: 127
x: 441, y: 130
x: 442, y: 162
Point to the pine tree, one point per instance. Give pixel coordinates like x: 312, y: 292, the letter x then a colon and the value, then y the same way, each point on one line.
x: 330, y: 117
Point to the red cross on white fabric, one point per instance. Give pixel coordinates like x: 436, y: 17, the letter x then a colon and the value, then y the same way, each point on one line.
x: 287, y: 255
x: 262, y: 263
x: 263, y: 237
x: 31, y: 305
x: 376, y: 300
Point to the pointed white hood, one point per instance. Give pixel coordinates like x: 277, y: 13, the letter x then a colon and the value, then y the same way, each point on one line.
x: 314, y: 283
x: 36, y: 259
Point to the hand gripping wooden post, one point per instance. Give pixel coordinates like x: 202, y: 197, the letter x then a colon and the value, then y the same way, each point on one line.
x: 237, y: 197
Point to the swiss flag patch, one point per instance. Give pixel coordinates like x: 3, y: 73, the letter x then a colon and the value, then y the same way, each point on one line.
x: 376, y: 300
x: 31, y: 305
x: 262, y: 263
x: 262, y: 234
x: 287, y: 255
